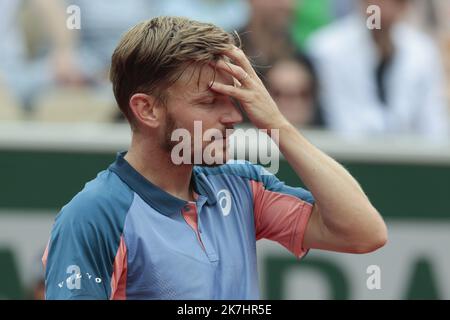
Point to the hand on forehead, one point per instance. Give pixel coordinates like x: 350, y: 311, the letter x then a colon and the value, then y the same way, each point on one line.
x: 229, y: 69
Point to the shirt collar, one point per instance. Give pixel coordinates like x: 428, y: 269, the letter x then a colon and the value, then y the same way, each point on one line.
x: 156, y: 197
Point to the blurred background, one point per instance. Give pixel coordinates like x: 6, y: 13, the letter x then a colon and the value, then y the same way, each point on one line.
x: 377, y: 100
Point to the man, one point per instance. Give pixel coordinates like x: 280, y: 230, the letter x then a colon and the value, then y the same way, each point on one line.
x: 386, y: 79
x: 266, y: 37
x: 147, y: 228
x: 292, y: 84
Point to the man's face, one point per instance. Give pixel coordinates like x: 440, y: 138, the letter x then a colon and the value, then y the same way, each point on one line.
x: 291, y: 86
x: 190, y: 103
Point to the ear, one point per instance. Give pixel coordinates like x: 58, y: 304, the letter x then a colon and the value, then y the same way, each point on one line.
x: 146, y: 109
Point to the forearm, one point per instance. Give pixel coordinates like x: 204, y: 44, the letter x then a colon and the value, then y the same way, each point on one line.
x: 342, y: 218
x: 345, y: 209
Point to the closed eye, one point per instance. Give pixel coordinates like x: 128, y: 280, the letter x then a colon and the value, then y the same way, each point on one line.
x: 208, y: 102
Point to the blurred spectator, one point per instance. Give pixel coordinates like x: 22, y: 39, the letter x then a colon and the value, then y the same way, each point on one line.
x: 104, y: 21
x: 266, y: 38
x: 66, y: 57
x: 386, y: 80
x: 311, y: 15
x: 229, y: 14
x: 36, y: 290
x: 341, y: 8
x: 434, y: 17
x: 293, y: 85
x: 42, y: 62
x: 9, y: 107
x: 19, y: 76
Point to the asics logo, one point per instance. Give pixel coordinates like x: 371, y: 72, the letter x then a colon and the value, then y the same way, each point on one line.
x: 224, y: 199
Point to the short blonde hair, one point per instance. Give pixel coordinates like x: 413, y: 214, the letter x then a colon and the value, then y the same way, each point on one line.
x: 152, y: 55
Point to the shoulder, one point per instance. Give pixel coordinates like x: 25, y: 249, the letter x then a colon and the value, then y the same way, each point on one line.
x: 336, y: 37
x: 103, y: 203
x: 237, y: 168
x: 416, y: 44
x: 245, y: 170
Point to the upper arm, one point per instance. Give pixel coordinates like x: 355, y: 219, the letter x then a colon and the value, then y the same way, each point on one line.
x: 77, y: 266
x: 281, y: 213
x: 81, y: 255
x: 318, y: 236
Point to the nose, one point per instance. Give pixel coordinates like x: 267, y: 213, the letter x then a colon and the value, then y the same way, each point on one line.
x: 232, y: 114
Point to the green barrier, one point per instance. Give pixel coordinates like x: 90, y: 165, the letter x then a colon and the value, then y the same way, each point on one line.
x: 10, y: 284
x: 48, y: 180
x: 38, y: 180
x: 423, y: 283
x: 276, y: 267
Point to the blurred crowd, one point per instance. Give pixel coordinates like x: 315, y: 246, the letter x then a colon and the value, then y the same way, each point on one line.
x: 320, y: 59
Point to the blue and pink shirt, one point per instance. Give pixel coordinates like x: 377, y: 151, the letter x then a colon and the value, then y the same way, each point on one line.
x: 122, y: 237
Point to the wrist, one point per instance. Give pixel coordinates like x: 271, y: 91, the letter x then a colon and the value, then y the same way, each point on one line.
x: 277, y: 123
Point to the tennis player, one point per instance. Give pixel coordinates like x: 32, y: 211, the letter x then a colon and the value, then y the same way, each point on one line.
x: 150, y: 228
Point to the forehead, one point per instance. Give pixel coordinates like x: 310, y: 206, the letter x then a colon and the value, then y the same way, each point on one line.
x: 195, y: 80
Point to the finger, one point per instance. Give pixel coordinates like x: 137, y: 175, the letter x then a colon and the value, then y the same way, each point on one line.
x: 229, y: 90
x: 238, y: 56
x: 235, y: 71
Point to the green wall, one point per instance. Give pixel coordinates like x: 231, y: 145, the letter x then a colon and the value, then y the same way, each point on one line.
x: 47, y: 180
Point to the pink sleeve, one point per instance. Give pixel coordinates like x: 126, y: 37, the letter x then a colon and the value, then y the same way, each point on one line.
x: 280, y: 217
x: 119, y: 276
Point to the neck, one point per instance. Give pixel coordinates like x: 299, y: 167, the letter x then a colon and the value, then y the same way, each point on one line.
x: 155, y: 164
